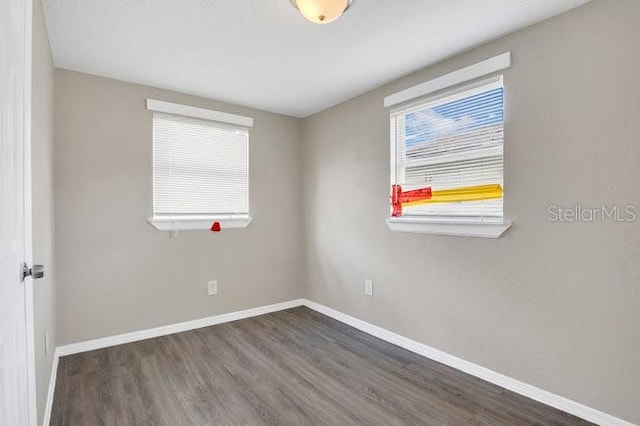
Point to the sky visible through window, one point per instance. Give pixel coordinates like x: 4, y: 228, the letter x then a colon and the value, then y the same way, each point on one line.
x: 461, y: 115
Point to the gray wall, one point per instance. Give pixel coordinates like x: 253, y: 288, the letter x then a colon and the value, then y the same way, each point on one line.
x: 115, y: 272
x: 552, y: 304
x: 42, y: 202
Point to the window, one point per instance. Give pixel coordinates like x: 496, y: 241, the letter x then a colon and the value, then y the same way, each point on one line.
x: 200, y: 168
x: 447, y: 159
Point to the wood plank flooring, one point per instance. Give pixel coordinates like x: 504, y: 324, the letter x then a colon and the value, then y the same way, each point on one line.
x: 294, y: 367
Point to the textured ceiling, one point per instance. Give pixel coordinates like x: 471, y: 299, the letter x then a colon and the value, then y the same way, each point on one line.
x: 263, y: 54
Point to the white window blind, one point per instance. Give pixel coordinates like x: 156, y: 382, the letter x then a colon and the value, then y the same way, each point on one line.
x: 453, y: 146
x: 200, y: 167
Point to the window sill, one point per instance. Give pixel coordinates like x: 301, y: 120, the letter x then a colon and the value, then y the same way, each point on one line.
x: 193, y: 223
x: 462, y: 229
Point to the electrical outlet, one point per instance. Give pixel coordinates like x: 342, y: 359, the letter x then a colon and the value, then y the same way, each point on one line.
x: 368, y: 287
x: 212, y: 287
x: 46, y: 343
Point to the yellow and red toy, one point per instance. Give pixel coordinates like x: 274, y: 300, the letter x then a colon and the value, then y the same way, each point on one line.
x: 426, y: 195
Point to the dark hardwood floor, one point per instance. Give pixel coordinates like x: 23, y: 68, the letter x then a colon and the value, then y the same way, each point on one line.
x: 294, y: 367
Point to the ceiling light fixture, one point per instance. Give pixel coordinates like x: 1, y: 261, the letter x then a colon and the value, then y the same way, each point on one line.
x: 322, y: 11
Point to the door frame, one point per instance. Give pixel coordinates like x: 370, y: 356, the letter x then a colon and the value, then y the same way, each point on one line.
x: 28, y: 231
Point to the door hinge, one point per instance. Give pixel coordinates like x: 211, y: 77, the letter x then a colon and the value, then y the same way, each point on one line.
x: 36, y: 272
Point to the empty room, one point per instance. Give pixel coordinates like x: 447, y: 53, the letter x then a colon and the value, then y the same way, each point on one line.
x: 319, y: 212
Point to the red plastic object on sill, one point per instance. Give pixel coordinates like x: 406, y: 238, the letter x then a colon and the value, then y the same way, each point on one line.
x: 215, y: 227
x: 398, y: 197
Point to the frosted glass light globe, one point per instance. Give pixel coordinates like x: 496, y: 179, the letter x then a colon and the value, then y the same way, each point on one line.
x: 322, y: 11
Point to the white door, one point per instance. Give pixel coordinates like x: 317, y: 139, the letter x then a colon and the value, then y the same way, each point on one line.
x: 15, y: 221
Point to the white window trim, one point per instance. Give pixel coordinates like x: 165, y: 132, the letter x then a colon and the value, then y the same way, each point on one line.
x: 193, y: 222
x: 195, y: 112
x: 461, y: 229
x: 480, y: 69
x: 482, y: 228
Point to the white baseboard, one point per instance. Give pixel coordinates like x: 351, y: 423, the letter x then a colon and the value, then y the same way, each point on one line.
x: 483, y: 373
x: 150, y: 333
x: 51, y: 390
